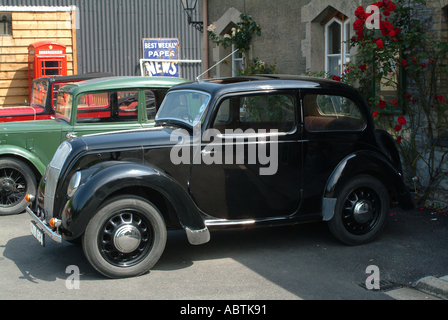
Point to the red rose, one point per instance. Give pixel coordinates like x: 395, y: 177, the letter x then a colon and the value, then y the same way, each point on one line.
x: 358, y: 25
x: 395, y: 103
x: 375, y: 114
x: 336, y: 78
x: 402, y: 120
x: 386, y: 27
x: 360, y: 13
x: 379, y: 44
x: 407, y: 96
x: 363, y: 68
x: 398, y: 127
x: 404, y: 63
x: 431, y: 61
x: 391, y: 6
x: 423, y: 65
x: 414, y: 59
x: 392, y: 34
x: 399, y: 139
x: 440, y: 99
x: 382, y: 104
x: 386, y: 12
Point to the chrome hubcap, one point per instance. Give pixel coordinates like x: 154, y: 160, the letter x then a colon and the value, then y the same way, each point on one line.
x: 127, y: 239
x: 363, y: 211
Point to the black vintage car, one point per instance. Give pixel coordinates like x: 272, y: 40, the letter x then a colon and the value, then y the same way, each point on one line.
x: 226, y: 153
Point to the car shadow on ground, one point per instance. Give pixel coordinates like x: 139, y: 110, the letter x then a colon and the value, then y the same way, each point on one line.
x: 288, y: 256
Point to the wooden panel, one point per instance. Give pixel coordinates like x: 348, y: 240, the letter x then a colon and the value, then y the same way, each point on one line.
x: 13, y: 67
x: 11, y: 58
x: 11, y: 42
x: 41, y: 25
x: 35, y: 16
x: 5, y: 84
x: 13, y: 92
x: 41, y: 34
x: 13, y: 100
x: 19, y: 75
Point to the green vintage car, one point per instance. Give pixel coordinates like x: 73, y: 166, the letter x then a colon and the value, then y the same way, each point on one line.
x: 89, y: 107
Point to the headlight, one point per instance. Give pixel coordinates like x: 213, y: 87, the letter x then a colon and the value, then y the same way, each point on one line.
x: 74, y: 183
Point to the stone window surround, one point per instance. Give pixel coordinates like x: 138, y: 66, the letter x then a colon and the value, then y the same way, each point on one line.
x: 314, y: 15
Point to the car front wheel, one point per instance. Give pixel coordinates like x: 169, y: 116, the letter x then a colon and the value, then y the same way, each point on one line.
x: 361, y: 211
x: 125, y: 238
x: 16, y: 181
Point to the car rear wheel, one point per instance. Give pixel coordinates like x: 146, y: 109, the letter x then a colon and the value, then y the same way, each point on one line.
x: 125, y: 238
x: 361, y: 211
x: 16, y: 181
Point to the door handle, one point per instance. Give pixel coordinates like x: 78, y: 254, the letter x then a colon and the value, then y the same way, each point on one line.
x: 206, y: 153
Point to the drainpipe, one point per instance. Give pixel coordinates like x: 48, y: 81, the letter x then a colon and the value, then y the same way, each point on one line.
x: 205, y: 37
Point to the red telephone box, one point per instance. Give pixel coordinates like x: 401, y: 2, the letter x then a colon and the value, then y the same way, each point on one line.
x: 46, y: 59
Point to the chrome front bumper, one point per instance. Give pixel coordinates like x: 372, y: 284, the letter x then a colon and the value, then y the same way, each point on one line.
x: 54, y: 236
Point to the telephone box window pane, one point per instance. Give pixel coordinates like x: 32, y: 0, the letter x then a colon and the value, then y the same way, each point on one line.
x: 51, y: 68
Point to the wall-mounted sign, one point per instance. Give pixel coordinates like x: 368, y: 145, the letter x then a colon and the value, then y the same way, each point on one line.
x: 157, y: 54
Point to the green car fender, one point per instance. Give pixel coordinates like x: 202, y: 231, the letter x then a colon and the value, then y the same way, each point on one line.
x: 25, y: 155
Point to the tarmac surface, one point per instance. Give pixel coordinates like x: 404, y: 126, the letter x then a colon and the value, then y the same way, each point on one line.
x: 283, y: 263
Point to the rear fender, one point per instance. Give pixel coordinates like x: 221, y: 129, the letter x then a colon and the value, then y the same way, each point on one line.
x: 80, y: 209
x: 366, y: 162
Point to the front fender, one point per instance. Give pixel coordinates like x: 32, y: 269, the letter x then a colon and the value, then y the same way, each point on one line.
x: 360, y: 163
x: 8, y: 150
x: 105, y: 181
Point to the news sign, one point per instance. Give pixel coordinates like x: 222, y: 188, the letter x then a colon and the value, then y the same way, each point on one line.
x: 159, y: 52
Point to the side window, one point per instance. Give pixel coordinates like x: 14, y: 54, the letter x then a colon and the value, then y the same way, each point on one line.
x: 269, y: 112
x: 331, y: 113
x: 119, y: 106
x: 94, y: 107
x: 127, y: 106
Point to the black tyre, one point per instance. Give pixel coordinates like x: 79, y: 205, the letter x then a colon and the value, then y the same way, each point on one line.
x: 16, y: 181
x: 125, y: 238
x: 361, y: 211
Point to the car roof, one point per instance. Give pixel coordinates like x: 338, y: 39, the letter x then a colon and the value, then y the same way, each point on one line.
x: 77, y: 77
x: 266, y: 81
x: 125, y: 83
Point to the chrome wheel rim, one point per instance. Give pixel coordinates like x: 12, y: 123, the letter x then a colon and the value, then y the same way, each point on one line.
x: 361, y: 211
x: 126, y: 238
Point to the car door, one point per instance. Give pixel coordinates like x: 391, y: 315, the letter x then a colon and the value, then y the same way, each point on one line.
x: 249, y: 162
x: 105, y: 111
x: 334, y: 128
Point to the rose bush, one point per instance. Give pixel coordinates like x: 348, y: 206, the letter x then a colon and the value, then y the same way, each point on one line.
x: 417, y: 114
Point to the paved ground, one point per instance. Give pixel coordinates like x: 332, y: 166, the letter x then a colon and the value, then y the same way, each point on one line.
x: 286, y: 263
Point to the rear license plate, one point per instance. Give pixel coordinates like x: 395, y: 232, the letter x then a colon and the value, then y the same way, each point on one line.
x: 38, y: 233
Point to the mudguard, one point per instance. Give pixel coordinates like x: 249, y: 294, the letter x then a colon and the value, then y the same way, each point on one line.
x: 8, y: 150
x: 80, y: 209
x: 364, y: 162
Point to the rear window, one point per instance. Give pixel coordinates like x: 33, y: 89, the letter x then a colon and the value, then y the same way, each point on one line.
x: 331, y: 113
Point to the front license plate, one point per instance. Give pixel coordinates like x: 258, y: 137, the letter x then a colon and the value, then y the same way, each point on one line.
x: 38, y: 233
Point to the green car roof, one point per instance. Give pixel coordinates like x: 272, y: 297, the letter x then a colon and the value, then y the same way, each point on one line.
x: 122, y: 83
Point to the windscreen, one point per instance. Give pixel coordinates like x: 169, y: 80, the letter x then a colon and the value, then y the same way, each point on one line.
x: 64, y: 106
x: 185, y: 106
x: 39, y: 94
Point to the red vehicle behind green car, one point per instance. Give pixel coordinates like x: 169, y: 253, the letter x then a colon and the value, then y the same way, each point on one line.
x: 44, y: 93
